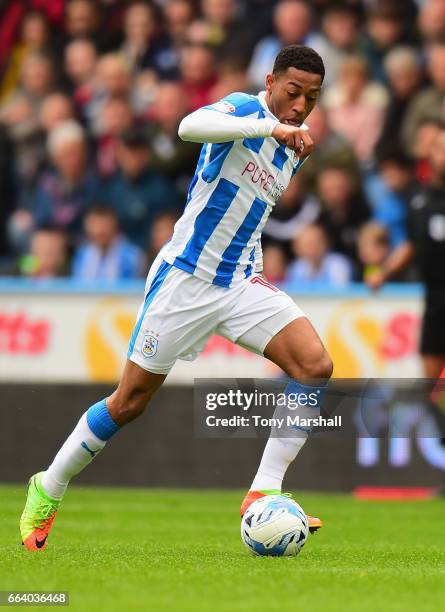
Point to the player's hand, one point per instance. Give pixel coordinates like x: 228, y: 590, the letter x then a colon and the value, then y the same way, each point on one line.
x: 295, y: 138
x: 375, y: 280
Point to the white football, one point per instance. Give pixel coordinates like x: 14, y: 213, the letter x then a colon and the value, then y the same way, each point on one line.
x: 274, y: 525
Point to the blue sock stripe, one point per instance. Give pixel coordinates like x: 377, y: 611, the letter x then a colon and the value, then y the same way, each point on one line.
x: 305, y: 429
x: 100, y: 422
x: 297, y: 388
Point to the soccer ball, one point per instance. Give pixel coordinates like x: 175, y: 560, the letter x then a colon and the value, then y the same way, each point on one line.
x: 274, y: 525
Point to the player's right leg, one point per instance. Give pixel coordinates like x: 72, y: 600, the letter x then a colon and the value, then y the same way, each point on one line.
x: 96, y: 426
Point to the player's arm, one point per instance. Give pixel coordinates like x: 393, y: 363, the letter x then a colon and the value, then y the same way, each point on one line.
x: 206, y: 125
x: 396, y: 263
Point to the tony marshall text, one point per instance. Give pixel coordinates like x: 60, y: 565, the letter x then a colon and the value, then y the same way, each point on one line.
x: 259, y: 421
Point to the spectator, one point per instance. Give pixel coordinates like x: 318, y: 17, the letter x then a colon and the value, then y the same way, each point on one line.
x: 113, y: 79
x: 82, y: 19
x: 356, y: 106
x: 179, y: 15
x: 387, y: 26
x: 426, y: 135
x: 330, y: 148
x: 373, y: 248
x: 225, y: 30
x: 171, y: 155
x: 402, y: 68
x: 113, y: 75
x: 35, y: 37
x: 21, y: 113
x: 80, y: 68
x: 340, y: 37
x: 20, y: 110
x: 198, y: 75
x: 55, y: 109
x: 428, y: 104
x: 316, y: 263
x: 432, y: 20
x: 389, y: 191
x: 106, y: 254
x: 48, y: 254
x: 116, y: 117
x: 293, y: 211
x: 137, y: 192
x: 292, y: 24
x: 64, y: 193
x: 146, y: 46
x: 232, y: 76
x: 344, y: 208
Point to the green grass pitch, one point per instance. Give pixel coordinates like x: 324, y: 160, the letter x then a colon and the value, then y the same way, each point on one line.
x: 136, y: 549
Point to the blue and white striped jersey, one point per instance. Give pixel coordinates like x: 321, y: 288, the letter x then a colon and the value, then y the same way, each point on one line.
x: 235, y: 186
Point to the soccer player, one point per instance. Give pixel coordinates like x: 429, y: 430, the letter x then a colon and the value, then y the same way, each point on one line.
x: 207, y: 279
x: 425, y: 244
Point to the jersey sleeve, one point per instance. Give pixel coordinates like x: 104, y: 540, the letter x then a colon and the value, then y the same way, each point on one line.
x: 232, y: 118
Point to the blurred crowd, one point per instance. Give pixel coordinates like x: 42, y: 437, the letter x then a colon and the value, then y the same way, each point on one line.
x: 93, y: 174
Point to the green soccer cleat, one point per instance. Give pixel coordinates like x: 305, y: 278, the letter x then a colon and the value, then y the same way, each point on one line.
x: 38, y: 516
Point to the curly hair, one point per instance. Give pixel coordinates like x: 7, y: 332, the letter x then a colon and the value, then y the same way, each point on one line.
x: 300, y: 57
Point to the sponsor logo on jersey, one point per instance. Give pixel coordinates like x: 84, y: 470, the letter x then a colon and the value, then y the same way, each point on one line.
x: 224, y: 107
x: 266, y: 181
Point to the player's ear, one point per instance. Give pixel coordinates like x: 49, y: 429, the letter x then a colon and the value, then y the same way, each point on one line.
x: 270, y: 80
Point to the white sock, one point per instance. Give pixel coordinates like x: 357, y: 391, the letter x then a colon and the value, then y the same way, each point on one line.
x: 277, y: 456
x: 303, y: 401
x: 76, y: 453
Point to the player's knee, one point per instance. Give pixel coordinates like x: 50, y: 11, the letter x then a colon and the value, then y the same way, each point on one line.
x: 319, y: 367
x: 316, y: 365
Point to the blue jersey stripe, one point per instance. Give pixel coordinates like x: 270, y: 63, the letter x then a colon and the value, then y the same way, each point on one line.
x: 156, y: 284
x: 199, y: 167
x: 253, y: 144
x: 297, y: 166
x: 205, y: 224
x: 230, y: 257
x: 280, y: 157
x: 248, y: 271
x: 218, y: 154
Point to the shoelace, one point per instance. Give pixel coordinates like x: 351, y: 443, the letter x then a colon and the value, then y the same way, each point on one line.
x: 45, y: 510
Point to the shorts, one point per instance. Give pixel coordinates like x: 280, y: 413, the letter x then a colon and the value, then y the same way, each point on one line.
x: 180, y: 312
x: 432, y: 338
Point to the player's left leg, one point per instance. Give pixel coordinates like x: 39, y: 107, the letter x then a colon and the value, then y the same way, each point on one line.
x: 267, y: 321
x: 298, y: 351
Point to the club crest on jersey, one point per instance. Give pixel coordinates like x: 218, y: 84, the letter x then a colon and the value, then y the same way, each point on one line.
x: 224, y: 107
x: 149, y: 345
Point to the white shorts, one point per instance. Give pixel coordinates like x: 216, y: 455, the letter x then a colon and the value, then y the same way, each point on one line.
x: 180, y: 312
